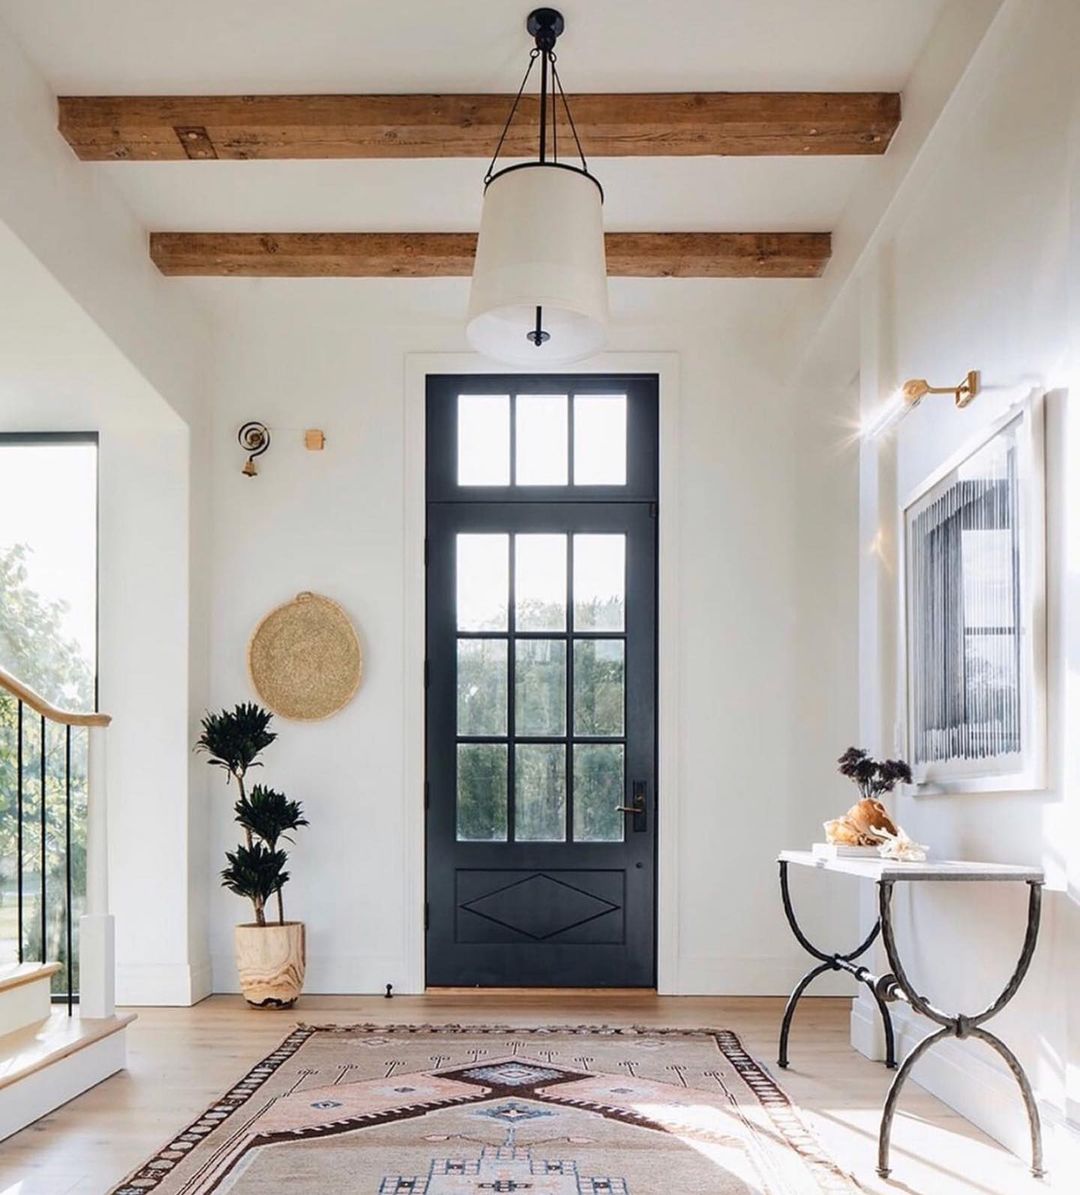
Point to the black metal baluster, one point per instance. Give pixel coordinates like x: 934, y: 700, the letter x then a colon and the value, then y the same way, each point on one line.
x: 67, y: 849
x: 44, y: 914
x: 19, y: 824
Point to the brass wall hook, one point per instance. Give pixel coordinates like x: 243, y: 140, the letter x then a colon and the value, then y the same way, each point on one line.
x: 254, y: 439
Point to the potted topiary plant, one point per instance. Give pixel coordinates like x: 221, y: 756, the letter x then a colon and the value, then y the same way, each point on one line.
x: 270, y: 956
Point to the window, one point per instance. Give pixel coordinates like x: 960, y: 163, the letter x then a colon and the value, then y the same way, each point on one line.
x: 48, y: 565
x: 48, y: 640
x: 554, y: 438
x: 547, y: 432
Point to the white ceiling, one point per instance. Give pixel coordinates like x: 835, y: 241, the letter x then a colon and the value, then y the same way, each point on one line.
x: 227, y: 46
x: 230, y: 46
x: 673, y: 194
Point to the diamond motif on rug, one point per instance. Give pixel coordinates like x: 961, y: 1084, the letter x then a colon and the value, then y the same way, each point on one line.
x: 511, y: 1074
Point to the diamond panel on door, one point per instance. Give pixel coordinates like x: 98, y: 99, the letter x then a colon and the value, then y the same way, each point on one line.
x: 545, y: 906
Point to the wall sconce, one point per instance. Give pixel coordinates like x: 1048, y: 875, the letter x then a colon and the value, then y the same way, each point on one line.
x: 254, y: 439
x: 910, y: 394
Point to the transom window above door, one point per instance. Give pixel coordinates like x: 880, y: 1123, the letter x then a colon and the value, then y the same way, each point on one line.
x: 535, y: 439
x: 541, y: 439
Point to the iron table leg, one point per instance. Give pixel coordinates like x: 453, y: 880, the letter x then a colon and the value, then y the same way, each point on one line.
x: 789, y: 1010
x: 898, y: 986
x: 829, y: 962
x: 889, y: 1111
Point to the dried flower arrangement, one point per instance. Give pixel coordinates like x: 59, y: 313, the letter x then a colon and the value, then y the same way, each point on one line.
x: 873, y: 777
x: 867, y: 823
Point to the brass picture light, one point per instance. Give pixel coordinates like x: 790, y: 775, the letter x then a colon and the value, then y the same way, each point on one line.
x: 910, y: 394
x: 916, y: 389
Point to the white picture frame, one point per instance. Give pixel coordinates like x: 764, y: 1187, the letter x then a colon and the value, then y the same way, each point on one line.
x: 974, y: 696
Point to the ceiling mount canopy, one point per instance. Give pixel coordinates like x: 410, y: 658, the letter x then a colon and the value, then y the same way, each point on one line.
x: 539, y: 284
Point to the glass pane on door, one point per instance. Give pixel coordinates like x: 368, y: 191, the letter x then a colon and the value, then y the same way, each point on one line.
x: 540, y: 582
x: 481, y: 686
x: 481, y: 792
x: 483, y: 439
x: 599, y: 787
x: 540, y: 440
x: 540, y: 792
x: 599, y: 686
x: 600, y: 439
x: 599, y: 582
x: 540, y: 687
x: 483, y: 582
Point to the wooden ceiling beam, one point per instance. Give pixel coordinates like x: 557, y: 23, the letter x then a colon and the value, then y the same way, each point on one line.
x: 450, y: 254
x: 174, y: 128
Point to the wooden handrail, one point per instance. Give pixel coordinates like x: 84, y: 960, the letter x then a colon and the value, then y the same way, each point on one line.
x: 47, y: 710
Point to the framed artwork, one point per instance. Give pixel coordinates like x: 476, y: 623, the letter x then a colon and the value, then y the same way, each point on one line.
x: 973, y: 589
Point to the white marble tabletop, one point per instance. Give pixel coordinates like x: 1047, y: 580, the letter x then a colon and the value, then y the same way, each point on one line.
x: 932, y: 869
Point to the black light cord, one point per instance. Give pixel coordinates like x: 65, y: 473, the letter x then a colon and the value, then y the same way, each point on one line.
x: 569, y: 114
x: 533, y: 55
x: 557, y: 93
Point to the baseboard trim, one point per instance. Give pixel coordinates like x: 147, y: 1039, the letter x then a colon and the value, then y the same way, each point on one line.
x: 339, y: 975
x: 175, y: 985
x: 201, y: 982
x: 867, y: 1035
x: 711, y: 976
x: 359, y: 975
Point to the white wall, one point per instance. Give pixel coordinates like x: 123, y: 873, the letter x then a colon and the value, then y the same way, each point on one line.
x: 78, y: 228
x: 94, y: 338
x: 766, y: 590
x: 980, y: 269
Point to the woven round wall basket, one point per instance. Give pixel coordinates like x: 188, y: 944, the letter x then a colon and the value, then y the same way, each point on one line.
x: 304, y: 658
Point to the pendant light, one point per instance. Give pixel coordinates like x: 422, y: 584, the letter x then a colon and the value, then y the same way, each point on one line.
x: 539, y: 284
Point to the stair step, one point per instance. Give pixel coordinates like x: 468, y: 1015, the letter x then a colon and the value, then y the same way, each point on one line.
x: 24, y: 994
x: 57, y: 1036
x: 16, y: 974
x: 46, y: 1064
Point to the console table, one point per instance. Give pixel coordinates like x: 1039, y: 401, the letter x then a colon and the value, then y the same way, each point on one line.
x: 896, y: 985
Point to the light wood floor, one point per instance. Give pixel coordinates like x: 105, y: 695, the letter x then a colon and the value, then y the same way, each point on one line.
x: 180, y: 1059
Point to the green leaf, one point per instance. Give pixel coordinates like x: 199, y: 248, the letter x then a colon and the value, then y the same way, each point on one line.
x: 269, y: 814
x: 256, y: 872
x: 233, y: 739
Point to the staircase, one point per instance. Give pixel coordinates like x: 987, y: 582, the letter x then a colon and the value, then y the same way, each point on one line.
x: 50, y: 1053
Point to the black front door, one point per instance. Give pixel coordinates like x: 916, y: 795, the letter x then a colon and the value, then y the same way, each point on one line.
x: 541, y: 681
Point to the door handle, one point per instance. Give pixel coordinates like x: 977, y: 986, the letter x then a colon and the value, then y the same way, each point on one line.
x: 637, y: 807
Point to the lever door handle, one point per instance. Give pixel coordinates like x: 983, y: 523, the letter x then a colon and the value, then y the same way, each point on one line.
x: 638, y: 807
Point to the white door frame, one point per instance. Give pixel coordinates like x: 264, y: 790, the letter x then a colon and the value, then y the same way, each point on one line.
x: 417, y: 368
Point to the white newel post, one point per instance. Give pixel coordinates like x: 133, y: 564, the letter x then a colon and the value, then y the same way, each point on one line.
x: 97, y: 966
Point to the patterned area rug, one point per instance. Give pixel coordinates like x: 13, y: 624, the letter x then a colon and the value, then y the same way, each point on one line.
x: 444, y: 1110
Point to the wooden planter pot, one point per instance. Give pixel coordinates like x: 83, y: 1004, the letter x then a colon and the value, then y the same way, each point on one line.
x: 270, y: 961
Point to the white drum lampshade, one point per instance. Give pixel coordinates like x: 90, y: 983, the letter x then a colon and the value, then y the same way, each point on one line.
x: 541, y: 246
